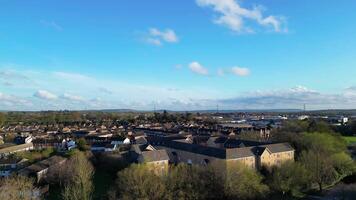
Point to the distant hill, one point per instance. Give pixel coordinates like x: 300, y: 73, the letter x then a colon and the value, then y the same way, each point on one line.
x: 116, y: 110
x: 345, y: 112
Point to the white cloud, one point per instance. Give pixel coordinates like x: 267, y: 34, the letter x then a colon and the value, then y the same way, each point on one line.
x: 235, y: 17
x: 72, y: 97
x: 71, y: 76
x: 350, y: 92
x: 10, y: 100
x: 157, y: 37
x: 11, y: 77
x: 290, y: 98
x: 154, y: 41
x: 44, y: 94
x: 198, y: 68
x: 52, y: 24
x: 125, y: 94
x: 240, y: 71
x: 301, y: 89
x: 167, y: 35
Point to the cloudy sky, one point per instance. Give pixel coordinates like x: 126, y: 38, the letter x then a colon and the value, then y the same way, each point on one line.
x: 177, y: 55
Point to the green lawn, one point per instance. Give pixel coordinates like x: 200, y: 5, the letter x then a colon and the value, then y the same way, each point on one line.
x: 350, y: 139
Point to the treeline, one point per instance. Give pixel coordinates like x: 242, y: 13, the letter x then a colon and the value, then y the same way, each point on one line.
x: 77, y: 117
x: 313, y: 125
x: 61, y: 117
x: 187, y: 182
x: 320, y: 150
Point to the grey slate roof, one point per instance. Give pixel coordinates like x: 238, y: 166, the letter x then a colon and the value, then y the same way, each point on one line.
x: 41, y: 165
x: 153, y: 156
x: 13, y: 148
x: 279, y: 147
x: 236, y: 153
x: 228, y: 153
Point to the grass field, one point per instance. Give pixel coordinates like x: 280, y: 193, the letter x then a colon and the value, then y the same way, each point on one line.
x: 350, y: 139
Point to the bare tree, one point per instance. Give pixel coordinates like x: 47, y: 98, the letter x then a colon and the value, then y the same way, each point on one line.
x: 80, y: 186
x: 18, y: 188
x: 59, y: 174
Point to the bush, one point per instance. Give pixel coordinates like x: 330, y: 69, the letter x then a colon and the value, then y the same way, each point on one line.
x: 289, y: 179
x: 244, y: 183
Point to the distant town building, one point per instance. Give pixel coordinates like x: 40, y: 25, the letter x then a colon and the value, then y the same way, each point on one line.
x: 303, y: 117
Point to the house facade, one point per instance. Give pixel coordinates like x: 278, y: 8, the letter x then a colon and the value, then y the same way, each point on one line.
x: 157, y: 160
x: 254, y: 157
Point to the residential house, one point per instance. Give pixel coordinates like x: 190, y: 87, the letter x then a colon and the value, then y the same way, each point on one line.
x: 39, y: 170
x: 157, y: 160
x: 273, y: 154
x: 9, y: 165
x: 7, y: 150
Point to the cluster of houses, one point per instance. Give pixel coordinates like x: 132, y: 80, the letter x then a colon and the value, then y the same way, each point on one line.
x: 195, y: 145
x: 158, y: 145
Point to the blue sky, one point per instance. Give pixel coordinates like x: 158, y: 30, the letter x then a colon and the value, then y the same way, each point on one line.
x: 179, y: 55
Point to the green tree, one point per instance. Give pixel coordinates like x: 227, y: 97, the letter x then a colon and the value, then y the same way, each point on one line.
x: 343, y: 163
x: 82, y: 144
x: 324, y: 156
x: 138, y: 182
x: 2, y: 119
x: 328, y: 142
x: 80, y: 186
x: 244, y: 183
x: 319, y: 126
x: 289, y: 178
x: 194, y: 182
x: 295, y: 126
x: 320, y: 167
